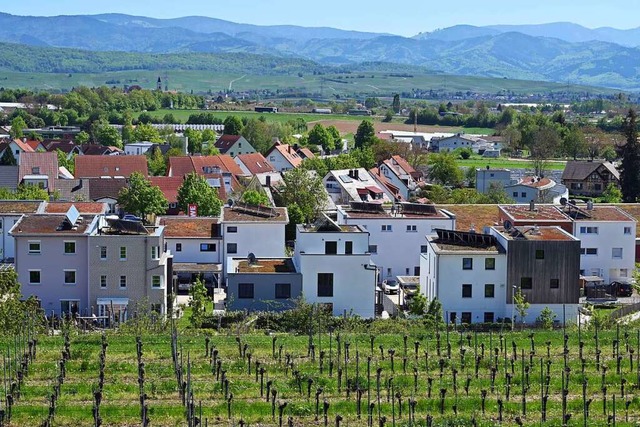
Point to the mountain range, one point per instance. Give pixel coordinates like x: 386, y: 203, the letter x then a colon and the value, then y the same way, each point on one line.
x: 559, y: 52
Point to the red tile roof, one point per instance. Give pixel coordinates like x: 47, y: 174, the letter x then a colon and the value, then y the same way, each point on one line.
x: 255, y: 163
x: 375, y: 172
x: 97, y: 166
x: 304, y: 152
x: 190, y: 228
x: 34, y: 144
x: 225, y: 142
x: 287, y: 152
x: 183, y: 165
x: 83, y: 207
x: 169, y: 186
x: 23, y: 146
x: 39, y: 164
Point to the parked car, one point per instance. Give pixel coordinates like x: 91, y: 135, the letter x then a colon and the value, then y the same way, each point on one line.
x: 410, y: 289
x: 620, y: 289
x: 390, y: 286
x: 130, y: 217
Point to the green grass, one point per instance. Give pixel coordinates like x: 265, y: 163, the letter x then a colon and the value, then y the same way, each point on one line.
x: 120, y: 404
x: 183, y: 115
x: 505, y: 163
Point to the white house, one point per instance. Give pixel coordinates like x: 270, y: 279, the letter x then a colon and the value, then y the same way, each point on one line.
x: 486, y: 177
x: 540, y: 190
x: 137, y: 148
x: 10, y: 212
x: 355, y: 185
x: 283, y: 157
x: 467, y: 272
x: 397, y: 236
x: 401, y: 175
x: 336, y: 267
x: 456, y: 141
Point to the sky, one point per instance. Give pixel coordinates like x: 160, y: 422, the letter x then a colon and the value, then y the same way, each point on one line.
x: 404, y: 17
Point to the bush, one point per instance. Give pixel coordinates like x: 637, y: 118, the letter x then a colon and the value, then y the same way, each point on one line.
x: 546, y: 318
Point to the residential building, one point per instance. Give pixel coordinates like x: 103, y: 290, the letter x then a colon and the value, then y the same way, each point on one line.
x: 40, y: 169
x: 10, y: 213
x: 138, y: 148
x: 105, y: 190
x: 355, y: 185
x: 454, y: 142
x: 17, y: 148
x: 404, y: 225
x: 253, y: 164
x: 488, y: 178
x: 169, y: 185
x: 533, y: 214
x: 283, y: 157
x: 234, y: 145
x: 401, y: 175
x: 589, y: 178
x: 540, y: 190
x: 110, y: 166
x: 220, y: 171
x: 260, y: 284
x: 336, y: 267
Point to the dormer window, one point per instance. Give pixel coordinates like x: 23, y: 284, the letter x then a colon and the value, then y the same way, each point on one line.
x: 35, y: 170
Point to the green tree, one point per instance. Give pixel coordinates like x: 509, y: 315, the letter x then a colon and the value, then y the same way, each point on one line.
x: 146, y: 132
x: 156, y: 162
x: 395, y: 105
x: 630, y: 154
x: 418, y: 305
x: 196, y: 190
x: 365, y: 134
x: 612, y: 194
x: 304, y: 190
x: 108, y: 135
x: 522, y: 306
x: 141, y: 198
x: 444, y: 170
x: 198, y: 302
x: 434, y: 317
x: 195, y: 140
x: 546, y: 318
x: 233, y: 125
x: 17, y: 126
x: 545, y: 145
x: 7, y: 158
x: 254, y: 197
x: 82, y: 138
x: 334, y: 133
x: 319, y: 136
x: 68, y: 162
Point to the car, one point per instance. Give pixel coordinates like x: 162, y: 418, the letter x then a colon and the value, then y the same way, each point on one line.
x: 130, y: 217
x: 390, y: 286
x: 409, y: 289
x: 620, y: 289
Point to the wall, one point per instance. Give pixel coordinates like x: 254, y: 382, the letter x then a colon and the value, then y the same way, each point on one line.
x: 485, y: 177
x: 264, y: 285
x: 278, y: 161
x: 191, y: 250
x: 8, y: 246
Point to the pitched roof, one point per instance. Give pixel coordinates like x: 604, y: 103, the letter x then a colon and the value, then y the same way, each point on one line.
x: 169, y: 186
x: 97, y: 166
x: 375, y: 173
x: 73, y: 189
x: 225, y: 142
x: 187, y: 227
x: 32, y: 163
x: 23, y: 146
x: 83, y: 207
x: 305, y: 153
x: 184, y: 165
x: 100, y: 188
x: 287, y: 152
x: 255, y: 163
x: 34, y: 144
x: 99, y: 150
x: 9, y: 177
x: 19, y: 206
x: 580, y: 170
x: 64, y: 146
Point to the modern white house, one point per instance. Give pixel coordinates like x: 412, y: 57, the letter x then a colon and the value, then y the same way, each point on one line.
x: 137, y: 148
x: 396, y: 233
x: 10, y: 213
x: 355, y: 185
x: 336, y: 267
x: 540, y: 190
x: 486, y: 177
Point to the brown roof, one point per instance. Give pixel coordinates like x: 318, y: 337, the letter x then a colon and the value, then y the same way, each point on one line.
x: 305, y: 153
x: 100, y: 188
x: 64, y: 146
x: 255, y: 163
x: 184, y: 165
x: 23, y: 146
x: 600, y: 213
x: 400, y: 161
x: 540, y: 212
x: 48, y: 224
x: 83, y: 207
x: 287, y: 152
x: 169, y: 186
x: 536, y: 233
x: 39, y: 164
x: 19, y: 206
x: 187, y: 227
x: 225, y: 142
x: 580, y: 170
x: 375, y: 172
x: 473, y: 216
x: 534, y: 182
x: 98, y: 150
x: 236, y: 215
x: 284, y: 265
x: 633, y: 209
x: 97, y: 166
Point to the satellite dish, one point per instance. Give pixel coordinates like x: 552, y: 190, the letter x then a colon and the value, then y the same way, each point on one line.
x: 251, y: 258
x: 507, y: 225
x: 230, y: 202
x: 563, y: 201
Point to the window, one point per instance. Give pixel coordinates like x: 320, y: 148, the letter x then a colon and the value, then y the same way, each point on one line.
x: 232, y: 248
x: 466, y: 291
x: 70, y: 247
x: 178, y: 247
x: 589, y: 251
x: 616, y: 253
x: 489, y: 263
x: 348, y: 247
x: 411, y: 228
x: 467, y: 263
x: 488, y: 317
x: 103, y: 252
x: 515, y: 194
x: 452, y: 317
x: 386, y: 227
x: 627, y: 230
x: 156, y: 282
x: 123, y: 281
x: 123, y: 253
x: 35, y: 170
x: 489, y: 290
x: 624, y: 272
x: 245, y: 290
x: 373, y: 249
x: 424, y: 249
x: 523, y: 194
x: 539, y: 253
x: 34, y: 247
x: 576, y: 186
x: 0, y: 224
x: 588, y: 230
x: 283, y: 290
x: 554, y: 283
x: 526, y: 283
x: 597, y: 187
x: 103, y: 281
x: 272, y: 158
x: 325, y: 284
x: 232, y: 229
x: 466, y: 317
x: 69, y: 306
x: 34, y: 277
x: 330, y: 248
x: 155, y: 252
x: 207, y: 247
x: 69, y: 277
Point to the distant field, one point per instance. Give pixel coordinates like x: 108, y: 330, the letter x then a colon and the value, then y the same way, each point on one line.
x: 329, y: 86
x: 183, y: 115
x: 506, y: 163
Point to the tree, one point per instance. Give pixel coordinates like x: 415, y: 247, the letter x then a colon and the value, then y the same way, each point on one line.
x: 434, y: 317
x: 31, y: 192
x: 195, y: 190
x: 198, y: 302
x: 194, y: 144
x: 232, y: 125
x: 546, y: 141
x: 365, y: 135
x: 108, y: 135
x: 630, y: 154
x: 66, y: 161
x: 82, y: 138
x: 319, y: 136
x: 17, y: 126
x: 156, y: 162
x: 254, y: 197
x: 141, y: 198
x: 612, y: 194
x: 444, y: 170
x: 334, y: 133
x: 546, y: 318
x: 146, y: 132
x: 7, y: 158
x: 418, y: 305
x: 395, y: 105
x: 305, y: 190
x: 574, y: 142
x: 522, y: 306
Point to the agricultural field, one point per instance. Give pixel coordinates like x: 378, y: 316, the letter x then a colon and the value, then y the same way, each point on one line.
x: 482, y: 162
x: 359, y: 376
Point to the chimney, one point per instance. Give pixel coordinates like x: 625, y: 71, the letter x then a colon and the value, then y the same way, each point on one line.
x: 186, y: 145
x: 289, y: 148
x: 532, y: 206
x: 356, y: 174
x: 268, y: 181
x: 590, y: 205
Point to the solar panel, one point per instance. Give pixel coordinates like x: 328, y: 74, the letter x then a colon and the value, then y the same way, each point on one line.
x: 465, y: 237
x: 345, y: 178
x: 366, y: 207
x: 419, y: 208
x: 127, y: 227
x: 72, y: 215
x: 264, y: 211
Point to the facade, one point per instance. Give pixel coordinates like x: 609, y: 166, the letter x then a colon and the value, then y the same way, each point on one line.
x: 589, y: 178
x: 355, y: 185
x: 486, y: 177
x: 10, y: 213
x: 138, y: 148
x: 283, y: 157
x: 336, y: 267
x: 262, y: 284
x: 533, y: 214
x: 400, y: 174
x: 405, y: 226
x: 234, y: 145
x: 540, y: 190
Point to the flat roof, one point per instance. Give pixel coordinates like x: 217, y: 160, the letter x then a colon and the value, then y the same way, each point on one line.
x: 265, y: 265
x: 449, y: 246
x: 473, y: 216
x: 536, y: 233
x: 189, y: 227
x: 599, y: 213
x: 539, y: 212
x: 49, y: 224
x: 233, y: 214
x: 19, y: 206
x: 196, y: 267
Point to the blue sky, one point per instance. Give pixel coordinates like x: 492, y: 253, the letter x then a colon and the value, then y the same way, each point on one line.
x: 404, y: 17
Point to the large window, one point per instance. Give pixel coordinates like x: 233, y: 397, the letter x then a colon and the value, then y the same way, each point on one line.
x: 412, y: 228
x: 34, y: 247
x: 178, y: 247
x: 488, y: 317
x: 386, y: 227
x: 325, y: 284
x: 330, y: 247
x: 245, y: 291
x: 232, y: 229
x: 70, y: 247
x: 589, y: 251
x: 489, y: 290
x: 155, y: 252
x: 34, y: 277
x: 69, y: 277
x: 616, y: 253
x: 467, y: 291
x: 526, y: 283
x: 283, y: 290
x: 207, y: 247
x: 489, y: 263
x: 232, y: 248
x: 627, y: 230
x: 588, y: 230
x: 69, y: 306
x: 467, y: 263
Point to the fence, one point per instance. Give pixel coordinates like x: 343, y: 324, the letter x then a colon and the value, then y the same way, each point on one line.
x: 624, y: 311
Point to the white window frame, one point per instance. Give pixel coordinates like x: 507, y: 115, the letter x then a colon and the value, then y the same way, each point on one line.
x: 125, y: 281
x: 125, y: 253
x: 75, y: 276
x: 386, y: 228
x: 588, y: 230
x: 155, y: 252
x: 159, y: 277
x: 39, y: 275
x: 412, y: 228
x: 65, y: 247
x: 33, y: 251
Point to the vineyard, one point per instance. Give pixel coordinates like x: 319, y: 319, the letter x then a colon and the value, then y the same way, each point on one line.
x: 337, y: 378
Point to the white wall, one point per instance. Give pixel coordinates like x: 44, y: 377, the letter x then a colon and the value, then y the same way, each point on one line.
x: 395, y: 180
x: 278, y: 161
x: 262, y: 238
x: 7, y: 243
x: 191, y: 250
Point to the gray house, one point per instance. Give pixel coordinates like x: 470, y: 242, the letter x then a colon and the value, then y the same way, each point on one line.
x: 257, y: 284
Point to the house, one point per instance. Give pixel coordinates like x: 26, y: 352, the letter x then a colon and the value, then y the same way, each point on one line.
x: 233, y: 145
x: 540, y: 190
x: 10, y: 213
x: 9, y: 177
x: 355, y: 185
x: 100, y: 150
x: 488, y: 178
x: 533, y: 214
x: 40, y: 169
x: 169, y: 185
x: 17, y: 147
x: 196, y: 244
x: 260, y: 284
x: 590, y: 179
x: 336, y: 267
x: 253, y: 164
x: 221, y: 171
x: 384, y: 182
x: 110, y: 166
x: 305, y: 153
x: 138, y: 148
x: 401, y: 175
x: 283, y: 157
x: 451, y: 143
x: 66, y: 146
x: 404, y: 225
x: 467, y: 272
x: 106, y: 190
x: 36, y: 145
